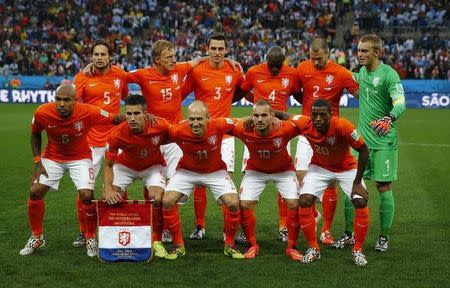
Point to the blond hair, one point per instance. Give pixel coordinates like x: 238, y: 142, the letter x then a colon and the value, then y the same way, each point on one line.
x: 159, y: 46
x: 376, y: 41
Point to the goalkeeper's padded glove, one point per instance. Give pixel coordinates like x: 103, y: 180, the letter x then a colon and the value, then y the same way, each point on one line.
x: 382, y: 126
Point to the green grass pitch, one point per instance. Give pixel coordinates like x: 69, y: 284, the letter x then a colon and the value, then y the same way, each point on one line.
x: 418, y: 255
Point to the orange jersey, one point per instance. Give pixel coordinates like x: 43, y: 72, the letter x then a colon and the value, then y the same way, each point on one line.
x: 67, y: 136
x: 139, y: 151
x: 268, y: 154
x: 215, y: 87
x: 201, y: 154
x: 275, y: 89
x: 332, y: 149
x: 327, y: 83
x: 162, y: 92
x: 104, y: 91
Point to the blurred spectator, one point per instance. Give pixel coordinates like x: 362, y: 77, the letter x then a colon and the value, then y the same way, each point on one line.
x: 15, y: 83
x: 48, y: 85
x: 53, y: 37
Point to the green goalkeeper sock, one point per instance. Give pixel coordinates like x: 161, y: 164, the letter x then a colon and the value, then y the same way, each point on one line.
x: 349, y: 212
x: 387, y: 207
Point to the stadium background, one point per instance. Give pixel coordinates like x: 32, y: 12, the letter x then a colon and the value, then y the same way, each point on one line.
x: 50, y: 40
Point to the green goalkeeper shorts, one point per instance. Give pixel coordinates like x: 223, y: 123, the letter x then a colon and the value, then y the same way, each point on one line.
x: 382, y: 165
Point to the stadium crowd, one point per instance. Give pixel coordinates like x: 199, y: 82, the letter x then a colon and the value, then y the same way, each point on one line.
x: 50, y: 38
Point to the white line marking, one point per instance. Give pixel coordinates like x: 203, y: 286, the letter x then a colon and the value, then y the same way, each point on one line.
x: 424, y: 144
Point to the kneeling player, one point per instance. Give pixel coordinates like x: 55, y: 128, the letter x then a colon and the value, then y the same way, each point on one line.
x: 331, y: 139
x: 140, y: 159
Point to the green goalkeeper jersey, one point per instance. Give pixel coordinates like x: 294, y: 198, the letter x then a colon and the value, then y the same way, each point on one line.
x: 378, y: 90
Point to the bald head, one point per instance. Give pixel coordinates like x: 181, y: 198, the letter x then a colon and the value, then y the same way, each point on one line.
x: 198, y: 117
x: 275, y: 58
x: 198, y: 107
x: 318, y: 53
x: 66, y: 89
x: 319, y: 44
x: 65, y: 100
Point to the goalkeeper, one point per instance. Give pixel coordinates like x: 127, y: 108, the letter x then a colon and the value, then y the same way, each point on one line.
x: 381, y: 102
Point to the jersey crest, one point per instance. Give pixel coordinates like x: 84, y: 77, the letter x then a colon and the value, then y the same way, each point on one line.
x: 285, y: 82
x: 212, y: 140
x: 155, y: 140
x: 78, y: 126
x: 228, y: 79
x: 376, y: 80
x: 329, y: 79
x: 277, y: 142
x: 117, y: 83
x: 331, y: 140
x: 174, y: 78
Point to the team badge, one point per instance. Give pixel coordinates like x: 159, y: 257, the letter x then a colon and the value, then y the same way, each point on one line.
x: 117, y: 83
x: 155, y: 140
x: 144, y: 153
x: 355, y: 135
x: 212, y: 140
x: 124, y: 238
x: 329, y: 79
x: 331, y: 140
x: 229, y: 121
x: 277, y: 142
x: 376, y: 80
x: 104, y: 113
x: 174, y: 78
x: 78, y: 125
x: 285, y: 82
x: 228, y: 79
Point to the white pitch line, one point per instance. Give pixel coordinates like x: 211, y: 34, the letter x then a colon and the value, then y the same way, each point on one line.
x: 424, y: 144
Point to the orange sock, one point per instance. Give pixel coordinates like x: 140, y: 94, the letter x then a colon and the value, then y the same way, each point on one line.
x: 173, y: 223
x: 36, y: 211
x: 80, y: 214
x: 231, y: 225
x: 329, y: 203
x: 361, y: 226
x: 282, y: 212
x: 293, y: 227
x: 308, y: 225
x: 157, y: 223
x: 248, y: 223
x: 200, y: 201
x: 90, y: 219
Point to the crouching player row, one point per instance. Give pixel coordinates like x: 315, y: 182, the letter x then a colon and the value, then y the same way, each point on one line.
x: 331, y: 139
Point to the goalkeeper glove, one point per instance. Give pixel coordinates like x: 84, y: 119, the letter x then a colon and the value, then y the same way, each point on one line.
x: 383, y: 125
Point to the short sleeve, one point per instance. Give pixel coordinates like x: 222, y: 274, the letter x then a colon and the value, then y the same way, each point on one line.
x: 350, y: 134
x: 246, y: 84
x: 36, y: 125
x: 79, y: 81
x: 348, y: 81
x: 134, y: 76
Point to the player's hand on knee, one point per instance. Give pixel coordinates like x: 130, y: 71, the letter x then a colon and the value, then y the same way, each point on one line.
x: 382, y: 126
x: 358, y: 189
x: 37, y: 171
